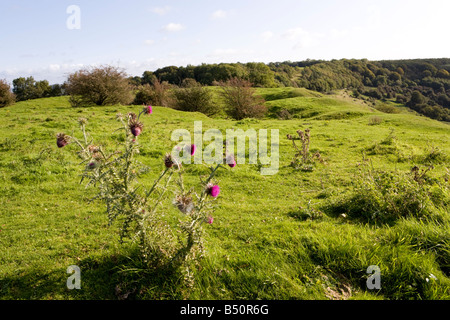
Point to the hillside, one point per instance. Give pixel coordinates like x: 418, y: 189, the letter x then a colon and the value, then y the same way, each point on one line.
x: 397, y: 80
x: 298, y: 234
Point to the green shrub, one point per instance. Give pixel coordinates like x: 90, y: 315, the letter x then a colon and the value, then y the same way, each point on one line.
x: 194, y: 97
x: 100, y: 86
x: 383, y: 197
x: 156, y: 94
x: 240, y: 101
x: 6, y: 96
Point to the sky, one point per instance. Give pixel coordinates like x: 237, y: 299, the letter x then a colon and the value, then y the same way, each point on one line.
x: 49, y: 39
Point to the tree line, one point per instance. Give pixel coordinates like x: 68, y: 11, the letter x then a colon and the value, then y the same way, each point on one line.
x: 421, y: 84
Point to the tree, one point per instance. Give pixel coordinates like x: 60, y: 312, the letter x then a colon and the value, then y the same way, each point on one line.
x: 148, y: 77
x: 105, y: 85
x: 25, y: 88
x: 416, y: 99
x: 442, y: 73
x: 260, y: 75
x: 192, y: 96
x: 240, y: 101
x: 6, y: 96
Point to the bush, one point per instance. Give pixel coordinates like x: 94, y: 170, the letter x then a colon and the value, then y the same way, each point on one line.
x: 383, y: 197
x: 375, y: 120
x: 156, y: 94
x: 105, y: 85
x: 194, y: 97
x: 240, y: 100
x: 6, y: 96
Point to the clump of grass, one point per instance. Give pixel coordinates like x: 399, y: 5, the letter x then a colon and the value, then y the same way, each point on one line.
x: 383, y: 197
x: 304, y: 159
x: 284, y: 114
x: 434, y: 155
x: 307, y: 213
x: 375, y: 120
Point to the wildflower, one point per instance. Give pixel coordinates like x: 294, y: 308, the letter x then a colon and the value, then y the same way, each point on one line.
x: 213, y: 190
x: 92, y: 165
x: 210, y: 220
x: 148, y: 109
x: 190, y: 149
x: 231, y: 161
x: 62, y: 139
x: 136, y: 127
x: 168, y: 160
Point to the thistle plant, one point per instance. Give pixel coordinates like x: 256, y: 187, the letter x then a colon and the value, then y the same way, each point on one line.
x: 142, y: 212
x: 303, y: 158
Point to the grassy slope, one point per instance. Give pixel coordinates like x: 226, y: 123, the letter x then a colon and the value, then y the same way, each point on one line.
x: 257, y: 249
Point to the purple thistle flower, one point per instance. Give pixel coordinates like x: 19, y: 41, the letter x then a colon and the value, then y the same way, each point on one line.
x: 231, y: 161
x: 210, y: 220
x: 148, y: 109
x: 190, y: 149
x: 213, y: 190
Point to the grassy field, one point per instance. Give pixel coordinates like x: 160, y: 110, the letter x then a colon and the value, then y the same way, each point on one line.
x: 285, y: 236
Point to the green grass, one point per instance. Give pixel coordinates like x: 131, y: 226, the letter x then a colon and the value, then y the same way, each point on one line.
x: 259, y: 246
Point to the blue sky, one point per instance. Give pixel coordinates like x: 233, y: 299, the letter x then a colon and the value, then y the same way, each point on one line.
x: 142, y: 35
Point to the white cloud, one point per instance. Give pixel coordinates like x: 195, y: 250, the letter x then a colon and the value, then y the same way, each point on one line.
x: 339, y: 34
x: 173, y: 27
x: 302, y: 39
x: 161, y: 10
x: 54, y: 67
x: 267, y: 35
x: 221, y: 52
x: 149, y: 42
x: 219, y: 14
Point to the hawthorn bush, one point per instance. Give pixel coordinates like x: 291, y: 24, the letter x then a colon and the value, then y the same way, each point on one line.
x: 104, y: 85
x: 6, y: 96
x: 240, y: 100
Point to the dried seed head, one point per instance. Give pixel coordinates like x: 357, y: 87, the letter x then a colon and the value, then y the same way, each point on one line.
x: 82, y: 121
x: 93, y: 149
x: 132, y: 115
x: 184, y: 203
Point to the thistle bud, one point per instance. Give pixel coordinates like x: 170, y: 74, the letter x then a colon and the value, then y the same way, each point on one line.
x: 62, y: 139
